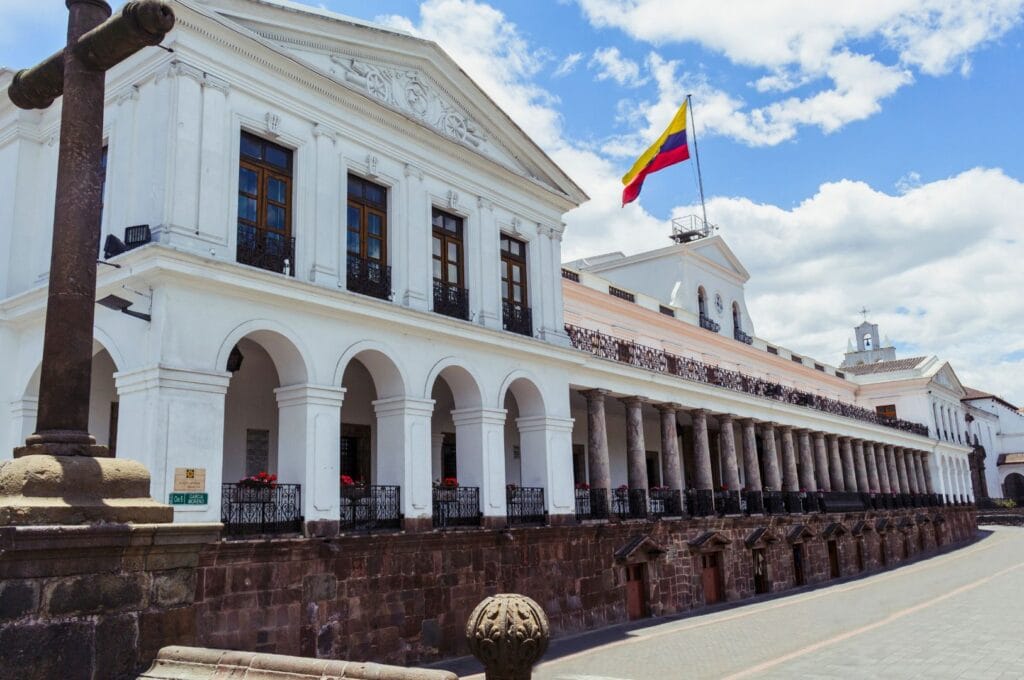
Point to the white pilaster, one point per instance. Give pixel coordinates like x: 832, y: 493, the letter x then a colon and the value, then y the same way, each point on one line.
x: 309, y: 445
x: 328, y: 231
x: 183, y: 196
x: 404, y: 450
x: 215, y: 165
x: 480, y: 442
x: 412, y: 246
x: 490, y: 258
x: 174, y: 418
x: 546, y: 445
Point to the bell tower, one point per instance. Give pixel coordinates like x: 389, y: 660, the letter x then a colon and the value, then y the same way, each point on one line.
x: 870, y: 348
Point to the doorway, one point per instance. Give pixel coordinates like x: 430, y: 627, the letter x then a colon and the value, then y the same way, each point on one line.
x: 833, y: 559
x: 761, y: 583
x: 711, y: 577
x: 883, y: 550
x: 798, y: 564
x: 859, y: 547
x: 636, y: 591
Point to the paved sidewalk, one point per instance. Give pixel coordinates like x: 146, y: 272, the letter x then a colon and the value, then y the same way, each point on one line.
x: 957, y: 615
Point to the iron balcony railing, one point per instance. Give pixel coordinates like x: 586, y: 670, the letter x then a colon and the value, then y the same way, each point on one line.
x: 630, y: 503
x: 707, y: 323
x: 642, y: 356
x: 727, y: 502
x: 456, y: 506
x: 842, y: 501
x: 451, y: 300
x: 753, y: 502
x: 525, y: 505
x: 591, y: 504
x: 516, y: 317
x: 794, y: 502
x: 666, y: 502
x: 742, y: 337
x: 368, y: 277
x: 570, y: 274
x: 266, y: 249
x: 773, y: 503
x: 371, y: 508
x: 250, y: 510
x: 700, y: 502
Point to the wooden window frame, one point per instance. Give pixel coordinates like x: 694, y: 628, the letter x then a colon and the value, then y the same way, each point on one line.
x: 509, y: 261
x: 367, y: 208
x: 265, y: 171
x: 446, y: 237
x: 884, y: 411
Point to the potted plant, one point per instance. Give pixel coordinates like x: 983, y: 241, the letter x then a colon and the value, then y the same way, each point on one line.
x: 450, y: 482
x: 582, y: 486
x: 258, y: 487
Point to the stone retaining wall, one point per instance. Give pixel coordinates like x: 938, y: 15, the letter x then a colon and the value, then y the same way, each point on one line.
x: 405, y: 598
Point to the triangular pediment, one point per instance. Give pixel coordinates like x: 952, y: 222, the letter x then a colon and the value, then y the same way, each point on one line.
x: 946, y: 377
x: 409, y: 76
x: 715, y: 251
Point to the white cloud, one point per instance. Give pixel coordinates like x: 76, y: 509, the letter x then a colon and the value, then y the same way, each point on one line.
x: 803, y: 42
x: 611, y: 65
x: 568, y: 65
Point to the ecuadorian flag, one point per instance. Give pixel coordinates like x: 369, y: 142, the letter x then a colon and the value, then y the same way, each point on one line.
x: 670, y: 149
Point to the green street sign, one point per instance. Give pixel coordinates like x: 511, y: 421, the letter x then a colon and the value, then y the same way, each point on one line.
x: 189, y: 498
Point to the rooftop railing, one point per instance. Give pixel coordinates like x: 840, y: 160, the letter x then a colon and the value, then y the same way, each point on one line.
x: 653, y: 359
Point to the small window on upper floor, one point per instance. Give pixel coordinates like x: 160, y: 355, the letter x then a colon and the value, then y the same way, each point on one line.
x: 450, y: 295
x: 886, y: 411
x: 515, y: 300
x: 702, y: 301
x: 366, y: 238
x: 265, y: 205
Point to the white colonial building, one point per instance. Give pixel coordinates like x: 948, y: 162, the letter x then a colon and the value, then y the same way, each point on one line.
x: 343, y: 261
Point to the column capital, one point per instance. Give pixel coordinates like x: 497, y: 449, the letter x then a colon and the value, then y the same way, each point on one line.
x: 170, y: 377
x: 725, y: 418
x: 669, y: 407
x: 785, y: 428
x: 393, y: 406
x: 596, y: 394
x: 768, y: 426
x: 320, y: 395
x: 479, y: 416
x: 697, y: 411
x: 843, y: 439
x: 818, y: 435
x: 748, y: 422
x: 543, y: 423
x: 633, y: 400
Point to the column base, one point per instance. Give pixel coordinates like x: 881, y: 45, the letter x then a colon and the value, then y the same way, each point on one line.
x: 40, y: 489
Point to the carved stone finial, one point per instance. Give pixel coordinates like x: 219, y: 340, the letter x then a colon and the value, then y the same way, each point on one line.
x: 508, y: 633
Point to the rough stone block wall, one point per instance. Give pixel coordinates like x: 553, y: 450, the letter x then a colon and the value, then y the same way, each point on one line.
x: 405, y: 598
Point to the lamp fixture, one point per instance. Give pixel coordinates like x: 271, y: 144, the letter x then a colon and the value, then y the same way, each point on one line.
x: 119, y: 304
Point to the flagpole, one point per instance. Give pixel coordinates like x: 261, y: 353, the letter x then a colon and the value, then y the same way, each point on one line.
x: 696, y: 154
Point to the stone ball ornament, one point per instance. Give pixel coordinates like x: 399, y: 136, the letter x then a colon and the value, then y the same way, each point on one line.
x: 508, y: 633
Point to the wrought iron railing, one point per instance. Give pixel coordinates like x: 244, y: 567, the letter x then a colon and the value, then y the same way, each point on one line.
x: 371, y: 508
x: 249, y: 510
x: 456, y: 506
x: 752, y: 502
x: 666, y: 502
x: 525, y: 505
x: 516, y: 317
x: 793, y: 501
x: 700, y: 502
x: 570, y: 274
x: 368, y: 277
x: 451, y: 300
x: 774, y: 503
x: 742, y: 337
x: 642, y: 356
x: 630, y: 503
x: 591, y: 504
x: 727, y: 502
x: 709, y: 324
x: 842, y: 501
x: 266, y: 249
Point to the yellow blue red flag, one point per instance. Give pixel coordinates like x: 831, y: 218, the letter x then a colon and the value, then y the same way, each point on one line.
x: 671, y: 148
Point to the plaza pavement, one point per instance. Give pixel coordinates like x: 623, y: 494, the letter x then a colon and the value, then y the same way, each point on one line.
x: 955, y: 615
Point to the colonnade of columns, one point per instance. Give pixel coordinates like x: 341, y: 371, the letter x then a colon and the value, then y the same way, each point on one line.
x: 802, y: 461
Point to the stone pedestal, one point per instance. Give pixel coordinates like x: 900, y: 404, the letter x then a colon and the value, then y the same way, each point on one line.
x: 95, y: 601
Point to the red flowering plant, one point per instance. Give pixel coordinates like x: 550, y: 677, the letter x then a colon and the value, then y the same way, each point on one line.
x: 582, y: 486
x: 623, y: 487
x: 261, y: 480
x: 347, y: 480
x: 450, y: 482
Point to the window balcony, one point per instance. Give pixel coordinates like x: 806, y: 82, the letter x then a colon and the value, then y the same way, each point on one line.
x: 368, y: 277
x: 630, y: 503
x: 742, y: 337
x: 371, y: 508
x: 525, y: 505
x: 707, y: 323
x: 266, y: 249
x: 456, y: 506
x: 591, y: 504
x: 517, y: 318
x: 451, y: 300
x: 666, y: 502
x: 251, y: 510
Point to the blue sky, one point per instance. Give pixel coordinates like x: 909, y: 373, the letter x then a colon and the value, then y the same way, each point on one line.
x: 854, y: 154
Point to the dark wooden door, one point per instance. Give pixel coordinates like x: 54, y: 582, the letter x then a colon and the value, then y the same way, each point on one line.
x: 711, y: 578
x: 860, y: 554
x: 760, y: 571
x: 798, y: 564
x: 636, y: 591
x: 883, y: 550
x: 833, y: 559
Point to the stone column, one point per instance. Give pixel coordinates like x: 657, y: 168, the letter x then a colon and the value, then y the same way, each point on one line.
x: 929, y: 485
x: 636, y: 451
x: 750, y: 463
x: 406, y: 452
x: 922, y: 485
x: 790, y: 482
x: 807, y: 481
x: 480, y: 457
x: 849, y: 477
x: 901, y: 469
x: 701, y: 451
x: 860, y: 467
x: 309, y: 438
x: 773, y: 479
x: 890, y: 465
x: 670, y: 446
x: 885, y: 484
x: 597, y: 441
x: 731, y: 471
x: 821, y: 462
x: 835, y: 464
x: 874, y: 483
x: 908, y: 462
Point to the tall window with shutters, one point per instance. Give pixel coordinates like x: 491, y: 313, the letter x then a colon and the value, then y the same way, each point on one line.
x: 515, y: 310
x: 367, y: 238
x: 450, y: 295
x: 265, y: 206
